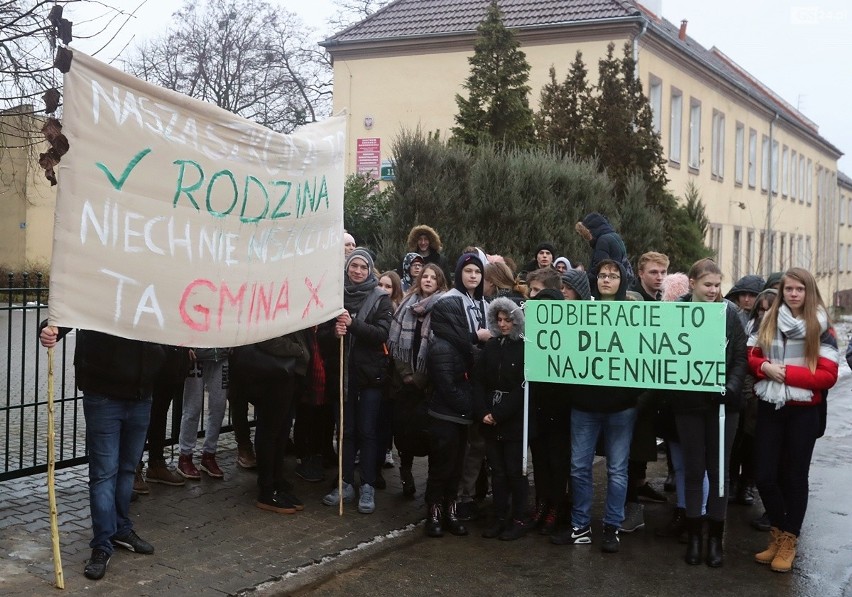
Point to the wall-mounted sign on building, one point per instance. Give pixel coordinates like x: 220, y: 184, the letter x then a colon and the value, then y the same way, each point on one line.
x: 368, y: 156
x: 387, y: 170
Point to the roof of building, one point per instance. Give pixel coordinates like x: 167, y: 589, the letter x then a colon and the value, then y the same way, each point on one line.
x: 412, y: 19
x: 416, y: 18
x: 843, y: 180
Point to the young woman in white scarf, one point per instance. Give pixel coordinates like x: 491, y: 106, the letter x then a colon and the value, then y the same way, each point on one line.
x: 408, y: 344
x: 794, y: 359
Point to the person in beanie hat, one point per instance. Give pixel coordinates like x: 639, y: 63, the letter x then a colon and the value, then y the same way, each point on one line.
x: 575, y: 286
x: 773, y: 281
x: 364, y: 325
x: 543, y: 256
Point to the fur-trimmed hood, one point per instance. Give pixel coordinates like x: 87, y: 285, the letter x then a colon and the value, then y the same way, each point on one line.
x: 434, y: 238
x: 515, y: 312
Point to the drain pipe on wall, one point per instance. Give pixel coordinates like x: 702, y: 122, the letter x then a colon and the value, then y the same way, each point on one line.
x: 770, y: 240
x: 636, y: 47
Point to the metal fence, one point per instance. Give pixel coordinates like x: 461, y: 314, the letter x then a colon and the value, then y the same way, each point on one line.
x: 23, y: 377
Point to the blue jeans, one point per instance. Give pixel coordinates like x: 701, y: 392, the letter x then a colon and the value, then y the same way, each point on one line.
x: 360, y: 431
x: 618, y: 432
x: 115, y: 437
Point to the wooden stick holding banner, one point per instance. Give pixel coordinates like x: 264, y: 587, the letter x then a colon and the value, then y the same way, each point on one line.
x: 340, y: 438
x: 51, y: 466
x: 526, y: 426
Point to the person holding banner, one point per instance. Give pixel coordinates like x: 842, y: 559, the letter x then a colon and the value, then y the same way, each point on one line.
x: 794, y: 358
x: 698, y: 420
x: 364, y: 326
x: 611, y: 413
x: 116, y: 376
x: 498, y: 399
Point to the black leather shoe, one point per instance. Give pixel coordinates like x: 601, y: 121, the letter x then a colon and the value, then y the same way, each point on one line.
x: 648, y: 493
x: 453, y: 523
x: 434, y: 521
x: 133, y: 542
x: 669, y: 484
x: 97, y: 564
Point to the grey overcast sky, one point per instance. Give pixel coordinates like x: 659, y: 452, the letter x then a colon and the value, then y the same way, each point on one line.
x: 801, y: 49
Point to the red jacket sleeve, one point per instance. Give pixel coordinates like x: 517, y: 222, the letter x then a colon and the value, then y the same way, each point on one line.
x: 755, y: 360
x: 823, y: 378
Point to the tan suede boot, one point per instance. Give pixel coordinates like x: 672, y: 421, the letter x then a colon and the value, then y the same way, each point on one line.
x: 786, y: 553
x: 766, y: 556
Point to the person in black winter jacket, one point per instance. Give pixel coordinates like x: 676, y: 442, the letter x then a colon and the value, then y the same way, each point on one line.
x: 697, y: 422
x: 605, y: 242
x: 450, y: 364
x: 116, y: 377
x: 498, y: 403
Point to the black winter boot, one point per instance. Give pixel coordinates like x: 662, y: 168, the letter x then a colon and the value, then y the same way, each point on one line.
x: 454, y: 525
x: 494, y: 529
x: 434, y: 520
x: 693, y: 544
x: 408, y: 489
x: 715, y: 533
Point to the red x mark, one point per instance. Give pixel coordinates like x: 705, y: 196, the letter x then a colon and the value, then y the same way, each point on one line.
x: 314, y: 295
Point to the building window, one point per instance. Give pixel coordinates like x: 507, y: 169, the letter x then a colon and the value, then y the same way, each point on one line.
x: 791, y: 246
x: 841, y: 210
x: 841, y: 259
x: 739, y: 153
x: 849, y: 211
x: 717, y: 141
x: 794, y: 178
x: 751, y: 264
x: 694, y: 158
x: 802, y: 182
x: 775, y: 167
x: 785, y: 171
x: 735, y: 255
x: 752, y: 158
x: 809, y: 190
x: 676, y: 132
x: 761, y: 251
x: 849, y: 258
x: 715, y: 241
x: 808, y: 264
x: 782, y: 251
x: 655, y: 98
x: 764, y: 165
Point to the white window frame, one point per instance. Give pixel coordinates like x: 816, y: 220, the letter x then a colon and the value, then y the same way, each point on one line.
x: 752, y: 158
x: 785, y: 171
x: 676, y: 129
x: 764, y: 163
x: 717, y: 142
x: 655, y: 99
x: 794, y: 175
x: 775, y: 167
x: 802, y: 179
x: 694, y: 149
x: 809, y: 193
x: 739, y: 153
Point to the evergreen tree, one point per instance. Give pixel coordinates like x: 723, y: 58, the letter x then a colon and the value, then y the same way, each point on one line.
x: 561, y: 122
x: 365, y: 207
x: 497, y: 106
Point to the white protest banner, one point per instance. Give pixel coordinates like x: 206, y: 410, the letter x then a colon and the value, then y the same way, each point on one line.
x: 181, y: 223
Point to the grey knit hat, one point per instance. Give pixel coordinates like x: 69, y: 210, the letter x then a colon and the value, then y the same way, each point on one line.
x: 579, y: 281
x: 361, y: 253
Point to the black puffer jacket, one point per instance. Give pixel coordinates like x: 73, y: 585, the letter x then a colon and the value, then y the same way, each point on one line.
x: 116, y: 367
x: 736, y: 366
x: 500, y: 368
x: 450, y: 363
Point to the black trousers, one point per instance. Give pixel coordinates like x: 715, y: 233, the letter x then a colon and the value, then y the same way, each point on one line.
x: 271, y: 406
x: 447, y: 445
x: 551, y: 452
x: 783, y: 447
x: 505, y: 459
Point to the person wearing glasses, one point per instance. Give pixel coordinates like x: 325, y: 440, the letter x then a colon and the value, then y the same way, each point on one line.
x: 609, y: 411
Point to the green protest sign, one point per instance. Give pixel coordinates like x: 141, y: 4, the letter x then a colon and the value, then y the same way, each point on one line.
x: 635, y: 344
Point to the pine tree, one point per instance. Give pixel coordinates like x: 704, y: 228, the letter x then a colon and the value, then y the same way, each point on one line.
x: 497, y: 107
x: 561, y: 122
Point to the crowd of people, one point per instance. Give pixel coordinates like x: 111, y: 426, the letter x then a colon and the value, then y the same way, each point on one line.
x: 433, y: 365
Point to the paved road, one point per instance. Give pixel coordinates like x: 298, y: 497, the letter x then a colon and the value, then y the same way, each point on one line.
x: 646, y: 565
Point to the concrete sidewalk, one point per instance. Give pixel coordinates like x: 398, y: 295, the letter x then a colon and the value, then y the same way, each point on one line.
x: 209, y: 537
